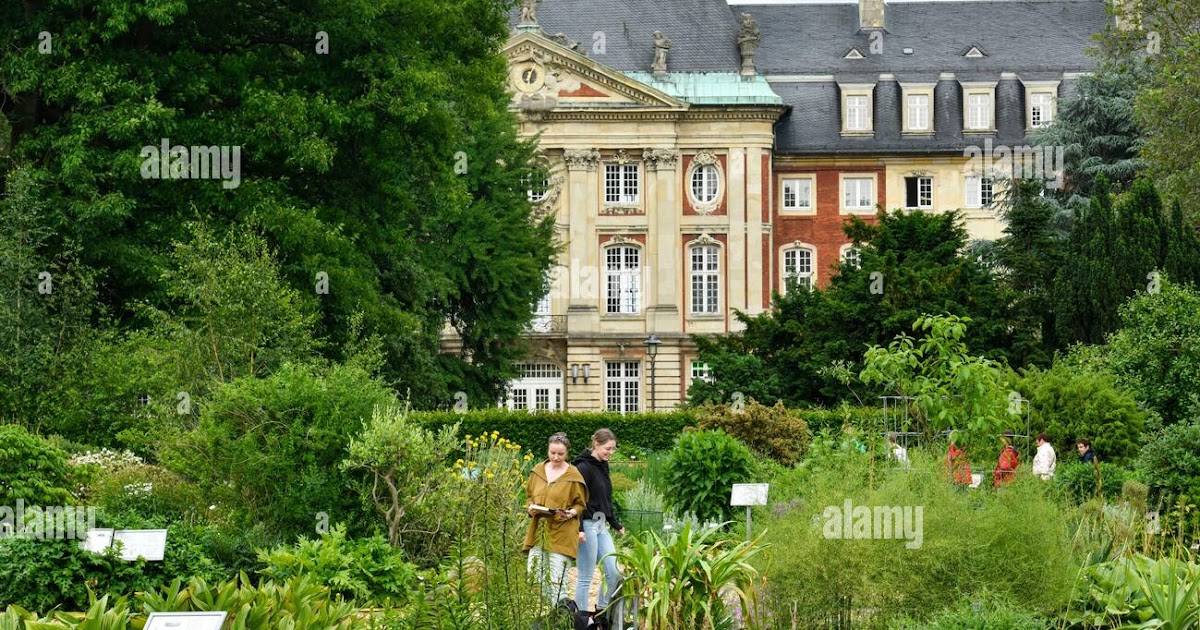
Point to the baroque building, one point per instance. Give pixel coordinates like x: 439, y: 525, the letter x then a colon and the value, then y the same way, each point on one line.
x: 703, y: 156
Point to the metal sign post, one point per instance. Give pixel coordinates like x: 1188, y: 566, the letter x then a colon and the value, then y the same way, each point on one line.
x: 748, y: 494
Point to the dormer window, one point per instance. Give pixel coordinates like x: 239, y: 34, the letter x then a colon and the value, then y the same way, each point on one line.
x: 856, y: 109
x: 918, y: 108
x: 979, y: 107
x: 1041, y: 100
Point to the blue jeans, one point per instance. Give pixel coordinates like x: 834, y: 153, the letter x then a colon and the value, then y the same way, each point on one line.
x: 597, y: 547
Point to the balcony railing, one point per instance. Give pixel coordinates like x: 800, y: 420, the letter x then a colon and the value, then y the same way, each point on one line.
x: 547, y: 325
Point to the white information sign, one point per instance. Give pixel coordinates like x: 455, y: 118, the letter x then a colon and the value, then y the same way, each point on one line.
x: 97, y: 540
x: 186, y: 621
x: 150, y: 544
x: 748, y: 494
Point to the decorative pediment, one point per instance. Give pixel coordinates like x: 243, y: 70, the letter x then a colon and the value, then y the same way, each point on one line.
x: 545, y: 75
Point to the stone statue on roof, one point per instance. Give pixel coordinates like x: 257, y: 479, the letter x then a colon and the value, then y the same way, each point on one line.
x: 661, y: 46
x: 748, y: 38
x: 529, y: 12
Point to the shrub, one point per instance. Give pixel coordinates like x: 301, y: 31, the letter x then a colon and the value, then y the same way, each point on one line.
x: 1170, y: 461
x: 32, y: 469
x: 367, y: 570
x: 651, y: 430
x: 1070, y: 403
x: 1086, y: 481
x: 704, y: 464
x: 770, y: 431
x: 44, y: 574
x: 288, y: 431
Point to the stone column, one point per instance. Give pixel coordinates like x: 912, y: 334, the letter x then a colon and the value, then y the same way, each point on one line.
x: 756, y: 213
x: 583, y: 272
x: 735, y: 193
x: 662, y: 316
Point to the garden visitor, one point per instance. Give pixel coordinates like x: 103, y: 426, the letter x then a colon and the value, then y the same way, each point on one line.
x: 1045, y: 460
x: 1006, y: 465
x: 596, y: 544
x: 557, y: 496
x: 957, y: 464
x: 899, y: 452
x: 1086, y: 454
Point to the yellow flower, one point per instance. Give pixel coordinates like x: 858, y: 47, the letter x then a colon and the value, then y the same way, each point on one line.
x: 490, y: 475
x: 458, y: 463
x: 528, y: 456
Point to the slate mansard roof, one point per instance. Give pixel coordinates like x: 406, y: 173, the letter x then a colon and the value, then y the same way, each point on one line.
x: 803, y: 48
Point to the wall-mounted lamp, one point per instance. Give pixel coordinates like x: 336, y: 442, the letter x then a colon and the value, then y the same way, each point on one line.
x: 587, y: 372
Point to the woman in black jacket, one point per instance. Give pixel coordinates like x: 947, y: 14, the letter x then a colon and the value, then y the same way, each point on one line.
x: 598, y: 517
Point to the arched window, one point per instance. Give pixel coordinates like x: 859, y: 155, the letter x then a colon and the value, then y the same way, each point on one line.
x: 799, y: 268
x: 705, y: 279
x: 850, y: 256
x: 622, y: 280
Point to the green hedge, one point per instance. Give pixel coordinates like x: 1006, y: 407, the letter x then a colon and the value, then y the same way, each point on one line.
x: 651, y: 431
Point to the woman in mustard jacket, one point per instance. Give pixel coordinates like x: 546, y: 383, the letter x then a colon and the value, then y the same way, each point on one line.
x: 557, y: 496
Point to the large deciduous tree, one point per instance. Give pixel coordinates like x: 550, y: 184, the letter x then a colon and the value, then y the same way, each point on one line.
x: 376, y: 150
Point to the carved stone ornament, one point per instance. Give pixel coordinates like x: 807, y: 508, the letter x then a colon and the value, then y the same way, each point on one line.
x: 581, y: 159
x: 549, y: 204
x: 529, y: 13
x: 661, y: 159
x: 617, y: 239
x: 705, y: 156
x: 748, y: 38
x: 622, y: 157
x: 661, y: 46
x: 705, y: 239
x: 620, y: 211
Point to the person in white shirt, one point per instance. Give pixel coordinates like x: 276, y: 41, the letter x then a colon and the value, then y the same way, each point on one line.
x: 1045, y: 460
x: 899, y: 452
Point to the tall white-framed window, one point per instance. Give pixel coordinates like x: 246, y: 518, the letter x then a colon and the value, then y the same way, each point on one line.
x: 858, y: 193
x: 978, y: 115
x: 979, y: 189
x: 850, y: 256
x: 622, y: 386
x: 622, y: 280
x: 705, y: 279
x: 799, y: 268
x: 705, y: 183
x: 858, y: 113
x: 701, y: 372
x: 918, y: 192
x: 1041, y: 109
x: 621, y: 185
x: 918, y: 112
x: 797, y: 194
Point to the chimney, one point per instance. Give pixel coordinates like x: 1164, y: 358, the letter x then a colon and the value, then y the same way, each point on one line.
x: 870, y: 15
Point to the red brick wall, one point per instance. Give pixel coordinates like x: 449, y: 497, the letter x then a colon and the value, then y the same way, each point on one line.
x: 824, y: 229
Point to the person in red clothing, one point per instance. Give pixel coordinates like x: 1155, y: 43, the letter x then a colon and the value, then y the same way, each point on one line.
x: 957, y: 464
x: 1006, y: 466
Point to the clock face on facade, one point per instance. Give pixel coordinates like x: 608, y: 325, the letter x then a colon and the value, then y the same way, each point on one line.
x: 529, y: 78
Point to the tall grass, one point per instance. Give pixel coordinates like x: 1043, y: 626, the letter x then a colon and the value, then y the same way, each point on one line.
x: 1013, y: 542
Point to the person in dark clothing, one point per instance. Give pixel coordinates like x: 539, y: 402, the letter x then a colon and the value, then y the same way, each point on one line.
x: 1086, y: 454
x: 598, y: 518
